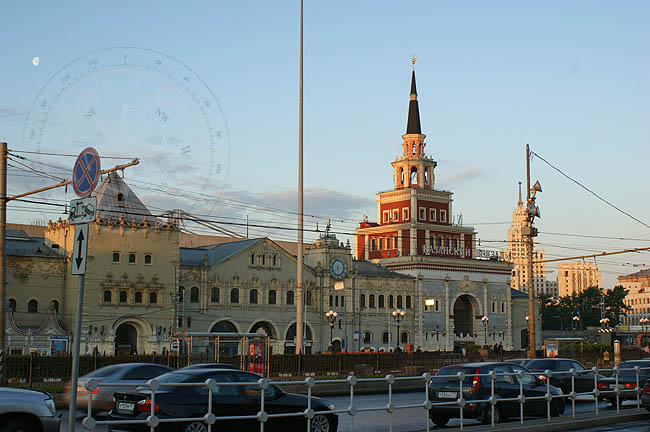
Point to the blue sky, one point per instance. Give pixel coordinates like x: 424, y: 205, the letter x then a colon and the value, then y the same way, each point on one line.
x: 570, y: 78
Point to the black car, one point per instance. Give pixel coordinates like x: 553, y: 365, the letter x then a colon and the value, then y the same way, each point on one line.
x: 584, y: 379
x: 173, y: 402
x: 210, y: 366
x: 475, y: 387
x: 626, y: 381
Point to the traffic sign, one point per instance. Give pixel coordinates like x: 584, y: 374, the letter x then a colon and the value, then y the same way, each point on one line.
x: 83, y: 210
x: 86, y: 171
x: 80, y: 249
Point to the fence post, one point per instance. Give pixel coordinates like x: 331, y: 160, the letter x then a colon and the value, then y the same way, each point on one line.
x: 340, y: 362
x: 31, y: 357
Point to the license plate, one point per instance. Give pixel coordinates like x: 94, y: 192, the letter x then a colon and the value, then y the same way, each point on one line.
x: 447, y: 395
x: 125, y: 407
x: 612, y: 386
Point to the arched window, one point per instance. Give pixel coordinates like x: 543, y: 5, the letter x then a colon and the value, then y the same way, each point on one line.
x: 414, y: 175
x: 426, y: 176
x: 405, y: 338
x: 447, y: 242
x: 408, y: 302
x: 381, y: 243
x: 252, y: 298
x: 214, y: 295
x: 399, y: 302
x: 138, y: 297
x: 153, y: 298
x: 116, y: 257
x: 385, y: 337
x: 107, y: 296
x: 194, y: 295
x: 413, y: 148
x: 367, y: 337
x: 381, y: 301
x: 391, y: 301
x: 253, y: 258
x: 54, y: 305
x: 12, y: 305
x: 439, y: 242
x: 272, y: 295
x: 131, y: 258
x: 401, y: 175
x: 289, y: 297
x: 371, y: 301
x: 234, y: 295
x: 308, y: 298
x: 372, y: 244
x: 263, y: 259
x: 275, y: 260
x: 362, y: 301
x: 32, y: 306
x: 455, y: 243
x: 122, y: 296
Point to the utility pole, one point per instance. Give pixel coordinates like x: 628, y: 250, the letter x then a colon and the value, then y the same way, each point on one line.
x: 3, y: 255
x: 532, y: 212
x: 299, y: 302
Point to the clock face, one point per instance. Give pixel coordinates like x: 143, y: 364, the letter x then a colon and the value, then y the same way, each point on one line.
x: 135, y: 103
x: 338, y: 268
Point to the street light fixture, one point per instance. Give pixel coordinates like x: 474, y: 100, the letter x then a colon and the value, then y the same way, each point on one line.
x: 604, y: 322
x: 644, y: 322
x: 331, y: 317
x: 485, y: 320
x: 398, y: 316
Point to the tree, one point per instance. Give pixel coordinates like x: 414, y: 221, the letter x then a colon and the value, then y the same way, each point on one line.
x: 615, y: 305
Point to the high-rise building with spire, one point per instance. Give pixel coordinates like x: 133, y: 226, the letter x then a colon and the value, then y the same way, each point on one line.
x: 517, y: 254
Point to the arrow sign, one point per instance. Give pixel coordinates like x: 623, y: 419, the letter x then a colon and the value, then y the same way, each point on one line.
x: 80, y: 249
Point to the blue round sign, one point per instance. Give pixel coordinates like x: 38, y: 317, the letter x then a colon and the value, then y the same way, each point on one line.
x: 86, y: 171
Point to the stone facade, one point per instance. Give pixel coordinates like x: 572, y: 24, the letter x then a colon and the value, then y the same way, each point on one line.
x: 575, y: 277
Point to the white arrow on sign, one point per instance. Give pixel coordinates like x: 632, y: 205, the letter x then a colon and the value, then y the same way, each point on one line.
x: 80, y: 249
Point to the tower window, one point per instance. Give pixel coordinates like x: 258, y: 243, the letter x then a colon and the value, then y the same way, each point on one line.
x: 443, y: 216
x: 381, y: 301
x: 432, y: 215
x: 414, y: 175
x: 405, y: 214
x: 423, y: 213
x: 386, y: 214
x: 395, y: 215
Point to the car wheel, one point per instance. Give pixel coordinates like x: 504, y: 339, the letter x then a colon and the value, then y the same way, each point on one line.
x: 321, y: 423
x: 440, y: 420
x: 486, y: 418
x: 19, y: 425
x: 555, y: 408
x: 196, y: 427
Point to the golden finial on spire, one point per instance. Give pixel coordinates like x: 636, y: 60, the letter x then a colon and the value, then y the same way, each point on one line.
x: 413, y: 60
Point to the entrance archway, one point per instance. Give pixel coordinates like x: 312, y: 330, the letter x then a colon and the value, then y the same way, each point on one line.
x: 230, y: 347
x: 463, y: 316
x: 264, y: 327
x: 126, y: 340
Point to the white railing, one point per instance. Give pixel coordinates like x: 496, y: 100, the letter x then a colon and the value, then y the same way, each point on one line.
x: 152, y: 420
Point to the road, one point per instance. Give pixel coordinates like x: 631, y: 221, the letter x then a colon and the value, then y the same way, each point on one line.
x: 413, y: 419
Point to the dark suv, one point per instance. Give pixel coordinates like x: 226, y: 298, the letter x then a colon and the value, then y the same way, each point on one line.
x: 627, y: 381
x: 584, y: 379
x: 446, y: 389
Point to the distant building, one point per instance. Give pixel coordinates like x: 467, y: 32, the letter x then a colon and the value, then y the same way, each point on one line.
x: 575, y: 277
x: 517, y: 254
x: 638, y: 298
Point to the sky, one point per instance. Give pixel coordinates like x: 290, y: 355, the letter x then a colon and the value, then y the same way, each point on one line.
x: 568, y: 78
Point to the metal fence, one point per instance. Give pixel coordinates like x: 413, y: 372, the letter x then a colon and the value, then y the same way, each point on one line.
x: 600, y: 391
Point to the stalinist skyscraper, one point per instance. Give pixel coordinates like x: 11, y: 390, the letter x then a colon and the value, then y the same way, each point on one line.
x: 516, y: 254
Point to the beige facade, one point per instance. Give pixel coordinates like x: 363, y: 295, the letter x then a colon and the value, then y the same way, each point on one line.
x: 575, y: 277
x: 638, y: 297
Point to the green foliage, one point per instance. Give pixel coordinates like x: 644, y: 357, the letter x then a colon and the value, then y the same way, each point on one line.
x: 558, y: 315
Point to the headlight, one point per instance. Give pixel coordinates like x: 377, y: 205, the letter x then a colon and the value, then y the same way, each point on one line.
x: 50, y: 404
x: 331, y: 407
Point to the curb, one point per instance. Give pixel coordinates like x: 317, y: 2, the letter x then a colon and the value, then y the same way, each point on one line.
x: 565, y: 423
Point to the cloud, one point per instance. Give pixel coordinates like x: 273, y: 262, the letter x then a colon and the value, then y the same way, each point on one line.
x: 458, y: 177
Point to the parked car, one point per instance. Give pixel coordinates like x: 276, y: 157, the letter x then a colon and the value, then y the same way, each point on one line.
x: 27, y: 410
x: 124, y: 374
x: 444, y: 389
x: 626, y: 381
x: 584, y: 379
x: 645, y: 396
x: 210, y: 366
x: 173, y: 402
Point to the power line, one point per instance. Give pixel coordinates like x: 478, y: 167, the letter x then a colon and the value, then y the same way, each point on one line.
x: 66, y: 155
x: 590, y: 191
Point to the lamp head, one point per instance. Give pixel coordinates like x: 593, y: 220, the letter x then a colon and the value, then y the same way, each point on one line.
x: 537, y: 187
x: 533, y: 211
x: 402, y: 313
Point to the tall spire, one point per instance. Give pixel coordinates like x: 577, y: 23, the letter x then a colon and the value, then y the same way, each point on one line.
x: 520, y: 202
x: 413, y: 122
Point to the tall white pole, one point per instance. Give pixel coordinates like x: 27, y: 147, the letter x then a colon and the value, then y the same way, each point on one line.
x: 300, y: 301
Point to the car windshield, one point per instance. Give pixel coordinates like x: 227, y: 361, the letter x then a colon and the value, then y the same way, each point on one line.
x: 630, y: 368
x: 542, y: 364
x: 104, y: 372
x: 440, y: 378
x: 169, y: 378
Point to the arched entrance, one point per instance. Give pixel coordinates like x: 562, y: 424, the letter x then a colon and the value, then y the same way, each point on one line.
x: 126, y: 340
x: 264, y: 327
x: 224, y: 327
x: 463, y: 316
x: 290, y: 336
x: 229, y: 347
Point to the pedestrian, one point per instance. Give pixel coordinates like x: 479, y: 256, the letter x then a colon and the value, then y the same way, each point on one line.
x: 500, y: 351
x: 463, y: 352
x: 496, y: 350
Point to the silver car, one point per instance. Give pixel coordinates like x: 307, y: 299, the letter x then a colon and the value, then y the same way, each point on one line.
x: 125, y: 375
x: 27, y: 410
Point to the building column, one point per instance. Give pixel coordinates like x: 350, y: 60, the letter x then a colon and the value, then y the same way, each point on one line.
x: 508, y: 341
x: 447, y: 327
x: 413, y: 233
x: 419, y: 297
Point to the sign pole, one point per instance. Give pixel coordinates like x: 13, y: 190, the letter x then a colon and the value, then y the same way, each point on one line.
x: 85, y: 176
x: 75, y: 353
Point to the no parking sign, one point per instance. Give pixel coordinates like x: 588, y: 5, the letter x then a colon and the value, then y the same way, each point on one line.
x: 85, y: 173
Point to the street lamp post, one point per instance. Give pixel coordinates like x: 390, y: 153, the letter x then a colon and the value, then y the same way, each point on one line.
x: 644, y: 322
x: 398, y: 316
x: 575, y: 319
x: 331, y: 318
x: 485, y: 320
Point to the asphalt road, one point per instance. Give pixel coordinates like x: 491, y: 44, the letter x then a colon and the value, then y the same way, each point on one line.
x: 412, y: 419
